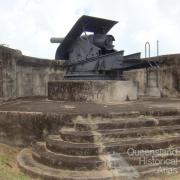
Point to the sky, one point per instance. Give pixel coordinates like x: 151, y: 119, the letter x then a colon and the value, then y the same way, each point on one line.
x: 27, y: 25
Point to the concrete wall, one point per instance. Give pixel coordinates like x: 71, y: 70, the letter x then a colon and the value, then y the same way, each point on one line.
x: 23, y: 76
x: 163, y: 81
x: 21, y: 128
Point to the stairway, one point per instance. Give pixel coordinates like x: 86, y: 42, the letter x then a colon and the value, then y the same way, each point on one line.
x: 107, y: 148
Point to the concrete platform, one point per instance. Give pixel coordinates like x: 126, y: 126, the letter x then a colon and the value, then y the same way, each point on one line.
x: 98, y: 91
x: 42, y: 105
x: 25, y: 120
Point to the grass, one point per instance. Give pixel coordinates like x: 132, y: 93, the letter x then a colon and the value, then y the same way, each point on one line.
x: 8, y: 172
x: 8, y: 165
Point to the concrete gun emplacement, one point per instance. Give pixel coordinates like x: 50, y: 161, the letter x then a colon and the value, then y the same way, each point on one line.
x: 92, y: 56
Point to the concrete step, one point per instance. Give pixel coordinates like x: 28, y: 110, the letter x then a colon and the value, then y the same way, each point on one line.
x: 123, y: 123
x: 105, y: 135
x: 120, y: 171
x: 35, y: 169
x: 56, y: 144
x: 141, y: 159
x: 158, y: 172
x: 82, y: 163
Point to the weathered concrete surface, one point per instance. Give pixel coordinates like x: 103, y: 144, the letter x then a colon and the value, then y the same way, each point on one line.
x: 119, y: 148
x: 23, y: 76
x: 23, y: 121
x: 80, y: 108
x: 21, y: 128
x: 100, y: 91
x: 164, y: 81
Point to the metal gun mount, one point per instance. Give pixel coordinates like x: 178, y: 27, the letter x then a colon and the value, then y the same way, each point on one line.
x: 92, y: 56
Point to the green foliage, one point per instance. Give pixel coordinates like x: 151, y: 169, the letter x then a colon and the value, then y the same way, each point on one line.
x: 7, y: 172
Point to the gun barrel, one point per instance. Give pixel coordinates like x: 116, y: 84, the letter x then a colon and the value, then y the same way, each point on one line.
x: 56, y: 40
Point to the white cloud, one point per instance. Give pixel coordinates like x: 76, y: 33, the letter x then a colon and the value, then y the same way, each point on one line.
x: 28, y: 24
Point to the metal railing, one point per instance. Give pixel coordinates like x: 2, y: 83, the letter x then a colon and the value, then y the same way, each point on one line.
x: 148, y: 47
x: 147, y: 44
x: 148, y: 55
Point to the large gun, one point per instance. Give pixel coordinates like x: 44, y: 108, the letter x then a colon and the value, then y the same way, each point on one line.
x: 92, y: 56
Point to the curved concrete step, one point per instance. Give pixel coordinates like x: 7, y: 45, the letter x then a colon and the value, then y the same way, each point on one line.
x: 122, y: 123
x: 106, y: 135
x: 33, y: 168
x: 158, y: 172
x: 143, y: 160
x: 56, y: 144
x: 47, y: 157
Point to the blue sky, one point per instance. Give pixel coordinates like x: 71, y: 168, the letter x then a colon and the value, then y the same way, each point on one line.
x: 28, y: 24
